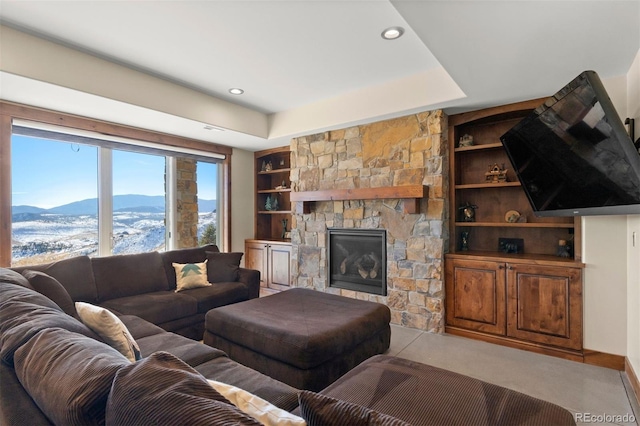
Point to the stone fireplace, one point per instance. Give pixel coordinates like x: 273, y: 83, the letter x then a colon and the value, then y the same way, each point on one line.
x: 358, y: 179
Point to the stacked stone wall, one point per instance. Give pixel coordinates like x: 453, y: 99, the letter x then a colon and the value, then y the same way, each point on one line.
x: 403, y: 151
x: 187, y: 209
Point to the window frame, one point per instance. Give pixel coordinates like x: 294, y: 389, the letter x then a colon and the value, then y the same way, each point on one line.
x: 10, y: 111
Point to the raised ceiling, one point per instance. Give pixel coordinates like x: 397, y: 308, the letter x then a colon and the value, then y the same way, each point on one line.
x: 308, y: 66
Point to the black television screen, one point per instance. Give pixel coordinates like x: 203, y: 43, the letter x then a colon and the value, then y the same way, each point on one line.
x: 573, y: 155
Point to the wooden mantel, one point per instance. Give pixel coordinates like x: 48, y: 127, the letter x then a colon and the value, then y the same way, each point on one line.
x: 410, y: 195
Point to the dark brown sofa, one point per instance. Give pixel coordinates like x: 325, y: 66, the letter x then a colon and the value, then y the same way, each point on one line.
x: 55, y: 370
x: 143, y: 285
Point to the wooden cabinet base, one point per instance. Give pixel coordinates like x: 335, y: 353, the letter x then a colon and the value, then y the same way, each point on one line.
x: 600, y: 359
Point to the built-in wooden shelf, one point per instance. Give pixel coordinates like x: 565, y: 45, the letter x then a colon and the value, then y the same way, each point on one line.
x: 479, y: 147
x: 274, y: 171
x: 271, y: 191
x: 518, y: 224
x: 488, y: 185
x: 410, y: 195
x: 274, y: 212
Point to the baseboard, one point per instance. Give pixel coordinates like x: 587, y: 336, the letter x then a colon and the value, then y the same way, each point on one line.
x: 587, y: 356
x: 633, y: 379
x: 602, y: 359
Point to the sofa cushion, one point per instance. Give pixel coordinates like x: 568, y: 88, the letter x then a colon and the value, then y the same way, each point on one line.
x: 50, y: 287
x: 190, y: 275
x: 110, y: 328
x: 13, y: 277
x: 163, y: 390
x: 228, y: 371
x: 68, y: 375
x: 320, y: 410
x: 188, y: 350
x: 140, y: 328
x: 219, y: 294
x: 157, y: 307
x: 75, y: 274
x: 25, y: 312
x: 223, y: 267
x: 128, y: 275
x: 187, y: 255
x: 389, y: 385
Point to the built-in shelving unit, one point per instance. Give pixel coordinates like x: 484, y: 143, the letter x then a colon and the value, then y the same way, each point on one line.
x: 270, y: 251
x: 531, y: 299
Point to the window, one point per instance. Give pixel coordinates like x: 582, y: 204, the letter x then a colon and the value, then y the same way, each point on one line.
x: 81, y: 195
x: 54, y: 200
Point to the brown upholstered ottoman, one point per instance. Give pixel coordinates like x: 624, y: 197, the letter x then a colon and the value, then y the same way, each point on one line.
x: 304, y: 338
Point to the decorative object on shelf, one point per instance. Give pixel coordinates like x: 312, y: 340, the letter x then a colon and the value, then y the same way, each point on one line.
x: 284, y: 228
x: 564, y: 249
x: 287, y: 235
x: 264, y: 166
x: 268, y: 167
x: 511, y: 245
x: 512, y: 216
x: 282, y: 162
x: 283, y: 185
x: 496, y: 174
x: 468, y: 212
x: 271, y: 204
x: 464, y: 241
x: 465, y: 140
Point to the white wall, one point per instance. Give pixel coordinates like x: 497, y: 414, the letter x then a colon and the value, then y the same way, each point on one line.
x: 242, y: 205
x: 611, y: 293
x: 633, y: 226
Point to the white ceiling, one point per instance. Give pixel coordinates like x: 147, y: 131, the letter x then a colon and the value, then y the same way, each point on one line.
x: 290, y: 56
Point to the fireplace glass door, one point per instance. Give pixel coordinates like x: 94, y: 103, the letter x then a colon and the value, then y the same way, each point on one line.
x: 358, y: 260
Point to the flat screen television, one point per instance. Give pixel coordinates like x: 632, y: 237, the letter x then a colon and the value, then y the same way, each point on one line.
x: 573, y: 155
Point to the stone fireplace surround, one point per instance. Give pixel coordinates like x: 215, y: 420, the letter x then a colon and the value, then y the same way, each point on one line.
x: 401, y: 152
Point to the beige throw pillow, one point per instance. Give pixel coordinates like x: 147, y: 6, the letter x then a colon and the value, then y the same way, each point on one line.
x: 190, y: 275
x: 109, y: 327
x: 256, y: 407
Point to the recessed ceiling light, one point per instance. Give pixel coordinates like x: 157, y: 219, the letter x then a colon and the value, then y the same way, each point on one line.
x: 236, y: 91
x: 392, y: 33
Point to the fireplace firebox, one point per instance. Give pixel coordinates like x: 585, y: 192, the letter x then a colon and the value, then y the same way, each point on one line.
x: 358, y: 259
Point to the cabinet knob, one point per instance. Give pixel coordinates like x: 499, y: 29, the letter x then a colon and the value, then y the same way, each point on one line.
x: 500, y: 266
x: 511, y: 268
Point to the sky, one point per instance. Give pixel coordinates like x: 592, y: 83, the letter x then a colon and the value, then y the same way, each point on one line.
x: 48, y: 174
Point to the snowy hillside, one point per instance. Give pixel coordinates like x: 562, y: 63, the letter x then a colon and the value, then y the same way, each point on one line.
x: 39, y: 237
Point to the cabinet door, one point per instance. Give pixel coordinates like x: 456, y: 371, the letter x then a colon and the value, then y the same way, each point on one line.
x: 545, y: 304
x: 255, y: 257
x: 279, y: 266
x: 475, y: 295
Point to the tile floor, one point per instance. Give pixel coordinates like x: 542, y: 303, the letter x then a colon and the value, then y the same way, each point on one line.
x: 580, y: 388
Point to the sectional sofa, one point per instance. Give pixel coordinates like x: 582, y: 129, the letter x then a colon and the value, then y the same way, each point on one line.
x: 57, y: 370
x: 143, y: 285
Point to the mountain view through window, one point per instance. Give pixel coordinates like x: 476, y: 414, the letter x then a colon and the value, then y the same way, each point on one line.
x: 55, y: 209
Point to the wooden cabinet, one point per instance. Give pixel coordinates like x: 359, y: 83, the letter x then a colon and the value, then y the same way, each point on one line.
x: 530, y: 299
x: 272, y: 259
x: 476, y: 295
x: 530, y: 304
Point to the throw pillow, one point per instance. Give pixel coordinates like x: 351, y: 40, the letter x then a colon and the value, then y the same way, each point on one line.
x: 223, y: 267
x: 110, y: 328
x: 256, y: 407
x: 68, y: 375
x: 190, y: 275
x: 320, y: 409
x: 163, y: 390
x: 50, y: 287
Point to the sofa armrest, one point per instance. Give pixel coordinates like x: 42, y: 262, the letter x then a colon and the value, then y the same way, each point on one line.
x: 251, y: 278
